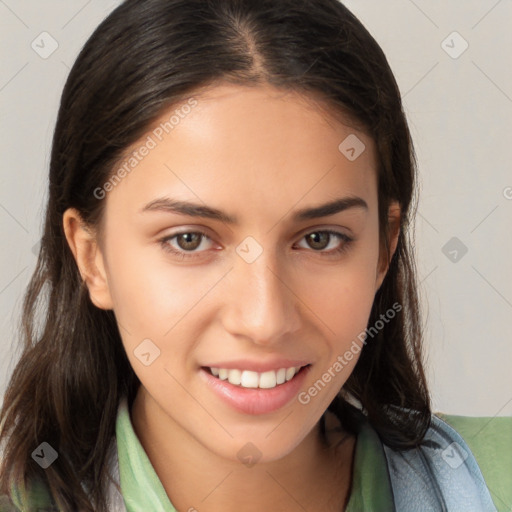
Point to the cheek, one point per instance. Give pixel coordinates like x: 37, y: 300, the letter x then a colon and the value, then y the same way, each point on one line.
x: 343, y: 301
x: 342, y: 295
x: 154, y: 303
x: 151, y: 297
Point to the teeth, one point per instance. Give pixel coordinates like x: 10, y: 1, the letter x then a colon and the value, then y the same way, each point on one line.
x: 235, y: 377
x: 281, y: 375
x: 268, y: 380
x: 250, y: 379
x: 290, y: 372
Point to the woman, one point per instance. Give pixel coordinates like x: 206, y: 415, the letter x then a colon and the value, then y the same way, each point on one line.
x: 232, y: 319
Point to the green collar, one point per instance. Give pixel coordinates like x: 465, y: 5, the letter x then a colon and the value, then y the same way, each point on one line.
x: 140, y: 486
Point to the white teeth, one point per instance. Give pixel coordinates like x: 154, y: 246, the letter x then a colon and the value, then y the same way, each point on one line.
x: 281, y: 375
x: 250, y: 379
x: 235, y: 377
x: 268, y: 380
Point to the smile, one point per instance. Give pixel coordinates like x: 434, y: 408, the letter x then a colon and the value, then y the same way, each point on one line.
x: 252, y: 392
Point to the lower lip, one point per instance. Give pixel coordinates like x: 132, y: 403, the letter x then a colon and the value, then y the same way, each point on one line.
x: 255, y: 400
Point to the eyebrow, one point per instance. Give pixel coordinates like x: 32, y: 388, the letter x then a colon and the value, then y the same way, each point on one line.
x: 166, y: 204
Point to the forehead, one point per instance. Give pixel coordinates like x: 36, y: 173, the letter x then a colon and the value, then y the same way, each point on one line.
x: 245, y: 147
x: 270, y: 117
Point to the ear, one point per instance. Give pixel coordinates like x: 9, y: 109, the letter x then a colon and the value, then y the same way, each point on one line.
x: 88, y: 256
x: 394, y: 215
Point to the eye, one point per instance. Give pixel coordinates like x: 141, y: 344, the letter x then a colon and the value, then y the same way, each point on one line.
x: 321, y: 240
x: 180, y: 244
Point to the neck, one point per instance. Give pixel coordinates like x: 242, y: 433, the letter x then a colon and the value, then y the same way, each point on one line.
x: 316, y: 475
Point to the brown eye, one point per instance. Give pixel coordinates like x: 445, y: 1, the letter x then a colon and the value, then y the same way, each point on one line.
x: 188, y: 244
x: 318, y: 240
x: 189, y: 241
x: 326, y: 242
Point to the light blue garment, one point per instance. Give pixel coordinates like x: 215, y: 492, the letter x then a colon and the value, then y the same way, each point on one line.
x: 440, y: 475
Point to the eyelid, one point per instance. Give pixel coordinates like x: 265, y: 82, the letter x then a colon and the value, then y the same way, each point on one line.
x: 341, y: 230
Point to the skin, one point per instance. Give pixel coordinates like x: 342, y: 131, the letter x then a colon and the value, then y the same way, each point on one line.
x: 258, y: 154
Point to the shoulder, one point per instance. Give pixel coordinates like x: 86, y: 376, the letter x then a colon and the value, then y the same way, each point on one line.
x: 490, y: 441
x: 441, y: 473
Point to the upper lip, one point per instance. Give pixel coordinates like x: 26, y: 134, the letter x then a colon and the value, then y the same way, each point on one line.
x: 258, y: 366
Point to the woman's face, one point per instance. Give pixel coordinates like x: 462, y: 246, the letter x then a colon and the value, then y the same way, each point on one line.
x: 217, y: 254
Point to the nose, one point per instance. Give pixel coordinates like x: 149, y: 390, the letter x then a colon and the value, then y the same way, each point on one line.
x: 260, y: 304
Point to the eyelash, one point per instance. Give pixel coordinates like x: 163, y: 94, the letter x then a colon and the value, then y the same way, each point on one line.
x: 193, y: 254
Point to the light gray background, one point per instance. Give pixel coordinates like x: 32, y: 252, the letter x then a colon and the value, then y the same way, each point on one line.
x: 460, y: 113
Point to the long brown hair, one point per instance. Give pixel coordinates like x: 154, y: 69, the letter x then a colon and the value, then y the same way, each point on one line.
x: 146, y: 56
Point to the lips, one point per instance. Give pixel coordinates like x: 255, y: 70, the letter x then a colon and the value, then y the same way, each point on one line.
x: 252, y: 399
